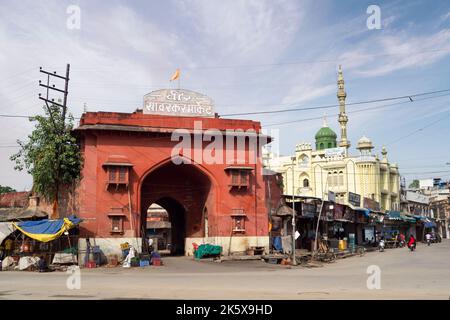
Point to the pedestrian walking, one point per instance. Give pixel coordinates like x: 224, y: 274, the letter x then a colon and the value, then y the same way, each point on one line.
x: 150, y: 246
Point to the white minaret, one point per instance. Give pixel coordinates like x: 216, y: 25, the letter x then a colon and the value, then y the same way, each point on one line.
x: 343, y: 119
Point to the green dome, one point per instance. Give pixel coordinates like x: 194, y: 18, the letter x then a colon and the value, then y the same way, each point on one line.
x: 325, y: 132
x: 325, y: 137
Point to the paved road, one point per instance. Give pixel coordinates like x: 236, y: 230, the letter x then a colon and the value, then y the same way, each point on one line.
x: 424, y: 274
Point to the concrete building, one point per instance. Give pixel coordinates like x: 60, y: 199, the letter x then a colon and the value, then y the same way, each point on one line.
x: 440, y: 206
x: 356, y: 180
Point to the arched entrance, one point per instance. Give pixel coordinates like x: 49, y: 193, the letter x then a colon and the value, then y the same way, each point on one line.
x: 183, y: 191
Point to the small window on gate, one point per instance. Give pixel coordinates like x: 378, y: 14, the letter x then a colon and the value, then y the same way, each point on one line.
x: 117, y: 176
x: 117, y: 171
x: 239, y: 177
x: 238, y: 216
x: 116, y: 224
x: 116, y: 217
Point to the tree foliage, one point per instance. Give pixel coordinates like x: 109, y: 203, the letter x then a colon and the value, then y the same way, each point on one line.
x: 51, y: 155
x: 6, y: 189
x: 414, y: 184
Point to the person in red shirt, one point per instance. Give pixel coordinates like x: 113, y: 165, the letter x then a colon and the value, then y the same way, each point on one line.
x: 412, y: 242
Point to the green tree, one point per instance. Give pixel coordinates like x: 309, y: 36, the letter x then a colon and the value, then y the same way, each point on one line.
x: 414, y: 184
x: 51, y: 155
x: 6, y: 189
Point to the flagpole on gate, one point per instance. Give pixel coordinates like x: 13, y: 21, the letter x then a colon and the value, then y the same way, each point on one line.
x: 176, y: 76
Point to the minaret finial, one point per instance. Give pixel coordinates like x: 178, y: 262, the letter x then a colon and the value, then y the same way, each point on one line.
x: 325, y: 122
x: 343, y: 119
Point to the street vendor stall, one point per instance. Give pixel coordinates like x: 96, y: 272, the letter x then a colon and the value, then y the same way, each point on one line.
x: 31, y: 241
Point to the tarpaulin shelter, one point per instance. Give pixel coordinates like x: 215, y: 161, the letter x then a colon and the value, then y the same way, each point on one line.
x: 47, y: 230
x: 6, y: 228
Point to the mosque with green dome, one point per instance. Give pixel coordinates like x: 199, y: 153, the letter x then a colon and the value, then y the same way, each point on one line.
x: 313, y: 172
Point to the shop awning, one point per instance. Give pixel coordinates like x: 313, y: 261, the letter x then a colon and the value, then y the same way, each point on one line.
x: 159, y: 225
x: 284, y: 210
x: 14, y: 214
x: 343, y: 220
x: 430, y: 224
x: 365, y: 211
x: 47, y: 230
x: 407, y: 218
x: 394, y: 215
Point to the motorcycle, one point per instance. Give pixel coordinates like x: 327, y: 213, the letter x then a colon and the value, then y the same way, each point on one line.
x: 381, y: 246
x: 428, y: 242
x: 412, y: 247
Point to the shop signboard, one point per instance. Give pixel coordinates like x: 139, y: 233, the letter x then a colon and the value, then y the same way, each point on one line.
x: 178, y: 102
x: 354, y: 199
x: 371, y: 204
x: 308, y: 210
x: 331, y: 196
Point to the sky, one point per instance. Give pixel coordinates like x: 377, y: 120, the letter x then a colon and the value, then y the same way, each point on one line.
x: 248, y: 56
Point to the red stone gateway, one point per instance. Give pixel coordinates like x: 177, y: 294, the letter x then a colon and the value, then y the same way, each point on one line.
x: 205, y: 171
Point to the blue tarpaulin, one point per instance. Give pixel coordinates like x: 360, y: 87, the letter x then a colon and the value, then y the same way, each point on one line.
x: 430, y: 224
x: 47, y: 230
x: 365, y: 211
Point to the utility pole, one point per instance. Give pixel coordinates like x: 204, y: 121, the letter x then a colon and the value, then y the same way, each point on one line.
x: 319, y: 217
x: 47, y: 100
x: 294, y: 261
x: 65, y: 91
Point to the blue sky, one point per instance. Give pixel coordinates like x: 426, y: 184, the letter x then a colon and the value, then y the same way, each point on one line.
x: 247, y: 56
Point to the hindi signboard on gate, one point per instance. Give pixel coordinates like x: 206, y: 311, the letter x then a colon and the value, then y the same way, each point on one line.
x: 178, y: 102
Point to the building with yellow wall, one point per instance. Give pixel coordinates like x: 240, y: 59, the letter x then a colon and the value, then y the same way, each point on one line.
x: 361, y: 180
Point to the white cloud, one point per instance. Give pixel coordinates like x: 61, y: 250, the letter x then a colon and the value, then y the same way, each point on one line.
x: 445, y: 16
x: 390, y: 53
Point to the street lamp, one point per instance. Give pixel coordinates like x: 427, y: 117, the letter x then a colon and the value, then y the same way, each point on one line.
x: 294, y: 261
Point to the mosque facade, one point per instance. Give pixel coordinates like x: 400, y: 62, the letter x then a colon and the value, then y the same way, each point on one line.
x: 327, y: 169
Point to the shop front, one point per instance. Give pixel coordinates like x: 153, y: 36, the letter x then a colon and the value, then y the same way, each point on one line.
x: 342, y: 228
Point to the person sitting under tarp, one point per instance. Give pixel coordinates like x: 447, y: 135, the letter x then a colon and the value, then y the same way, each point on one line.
x: 42, y: 265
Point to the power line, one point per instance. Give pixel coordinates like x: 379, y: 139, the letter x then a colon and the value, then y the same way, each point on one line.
x: 317, y: 107
x: 356, y: 111
x: 336, y: 105
x: 420, y: 129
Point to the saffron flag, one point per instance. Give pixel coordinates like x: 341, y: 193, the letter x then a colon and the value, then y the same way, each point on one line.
x: 176, y: 75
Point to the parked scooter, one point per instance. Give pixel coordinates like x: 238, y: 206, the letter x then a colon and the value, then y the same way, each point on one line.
x: 381, y: 245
